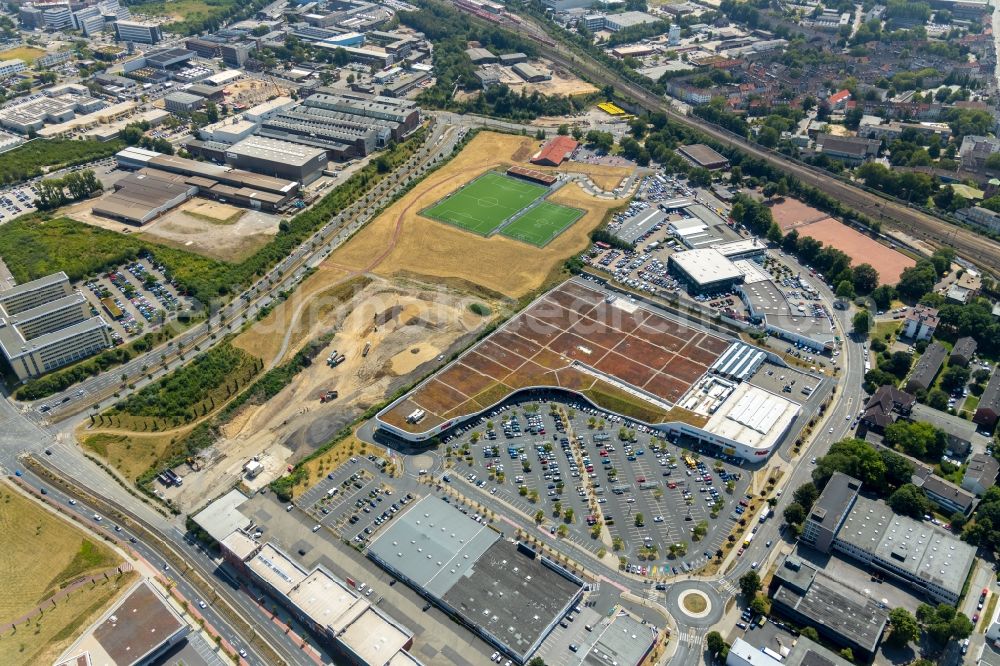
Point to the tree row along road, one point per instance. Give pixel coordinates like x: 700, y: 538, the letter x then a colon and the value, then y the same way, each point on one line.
x: 285, y: 276
x: 980, y: 249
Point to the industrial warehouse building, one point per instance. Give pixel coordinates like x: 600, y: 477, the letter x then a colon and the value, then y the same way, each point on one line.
x: 809, y: 597
x: 182, y: 102
x: 345, y: 125
x: 281, y: 159
x: 703, y: 156
x: 45, y: 324
x: 705, y: 270
x: 481, y: 580
x: 222, y: 183
x: 140, y: 198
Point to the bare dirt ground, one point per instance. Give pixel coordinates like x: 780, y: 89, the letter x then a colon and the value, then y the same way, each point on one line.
x: 266, y: 339
x: 860, y: 248
x: 249, y: 92
x: 605, y: 177
x: 403, y: 283
x: 808, y: 221
x: 561, y: 83
x: 789, y: 213
x: 214, y: 211
x: 210, y: 230
x: 423, y: 247
x: 410, y: 325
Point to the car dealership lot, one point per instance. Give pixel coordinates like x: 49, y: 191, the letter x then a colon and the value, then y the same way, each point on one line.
x: 593, y: 467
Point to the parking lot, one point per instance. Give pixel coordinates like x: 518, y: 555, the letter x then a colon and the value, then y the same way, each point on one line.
x: 599, y: 469
x: 352, y: 501
x: 645, y: 224
x: 17, y: 201
x: 135, y: 298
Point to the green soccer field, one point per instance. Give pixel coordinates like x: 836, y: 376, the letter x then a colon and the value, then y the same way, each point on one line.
x: 484, y: 203
x: 542, y: 223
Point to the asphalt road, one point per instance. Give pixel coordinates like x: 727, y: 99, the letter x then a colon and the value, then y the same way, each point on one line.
x: 87, y: 515
x: 285, y: 276
x: 25, y: 430
x: 893, y: 214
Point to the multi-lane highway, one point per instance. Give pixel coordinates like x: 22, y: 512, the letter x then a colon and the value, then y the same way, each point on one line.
x: 47, y: 436
x: 440, y: 142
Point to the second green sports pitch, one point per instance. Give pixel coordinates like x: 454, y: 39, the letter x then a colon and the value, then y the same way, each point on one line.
x: 497, y: 203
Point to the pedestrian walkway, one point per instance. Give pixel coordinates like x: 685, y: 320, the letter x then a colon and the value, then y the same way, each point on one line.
x: 125, y: 567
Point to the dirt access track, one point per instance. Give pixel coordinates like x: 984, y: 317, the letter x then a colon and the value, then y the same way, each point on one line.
x: 402, y: 242
x: 411, y: 327
x: 411, y: 278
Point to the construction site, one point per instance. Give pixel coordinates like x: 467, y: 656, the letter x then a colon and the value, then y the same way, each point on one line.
x: 383, y: 337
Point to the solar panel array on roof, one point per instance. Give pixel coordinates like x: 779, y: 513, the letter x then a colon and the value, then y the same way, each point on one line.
x: 739, y: 361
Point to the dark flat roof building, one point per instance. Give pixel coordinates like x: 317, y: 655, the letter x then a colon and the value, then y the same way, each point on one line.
x: 926, y: 368
x: 704, y: 156
x: 139, y: 629
x: 989, y: 403
x: 829, y: 511
x: 140, y: 198
x: 810, y: 597
x: 850, y: 149
x: 506, y: 593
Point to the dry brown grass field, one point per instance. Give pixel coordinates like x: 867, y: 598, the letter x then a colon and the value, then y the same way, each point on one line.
x: 41, y: 554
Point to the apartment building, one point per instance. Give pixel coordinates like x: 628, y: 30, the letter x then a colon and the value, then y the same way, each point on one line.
x: 920, y: 323
x: 11, y: 67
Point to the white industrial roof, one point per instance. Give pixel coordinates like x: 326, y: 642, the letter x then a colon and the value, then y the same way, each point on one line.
x: 753, y: 417
x: 705, y: 265
x: 223, y: 517
x: 744, y: 653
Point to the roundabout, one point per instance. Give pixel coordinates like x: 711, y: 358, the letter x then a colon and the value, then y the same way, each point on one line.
x: 694, y: 603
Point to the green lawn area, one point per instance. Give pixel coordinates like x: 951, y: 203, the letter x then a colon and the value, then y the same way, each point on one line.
x: 542, y: 223
x: 484, y: 203
x: 971, y: 404
x: 955, y: 476
x: 884, y: 327
x: 26, y: 53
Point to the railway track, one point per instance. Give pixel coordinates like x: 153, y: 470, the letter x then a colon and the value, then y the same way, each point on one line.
x: 892, y: 214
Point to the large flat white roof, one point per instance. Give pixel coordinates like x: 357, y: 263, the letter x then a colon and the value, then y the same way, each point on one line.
x: 223, y: 517
x: 753, y: 417
x: 745, y: 653
x: 705, y: 265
